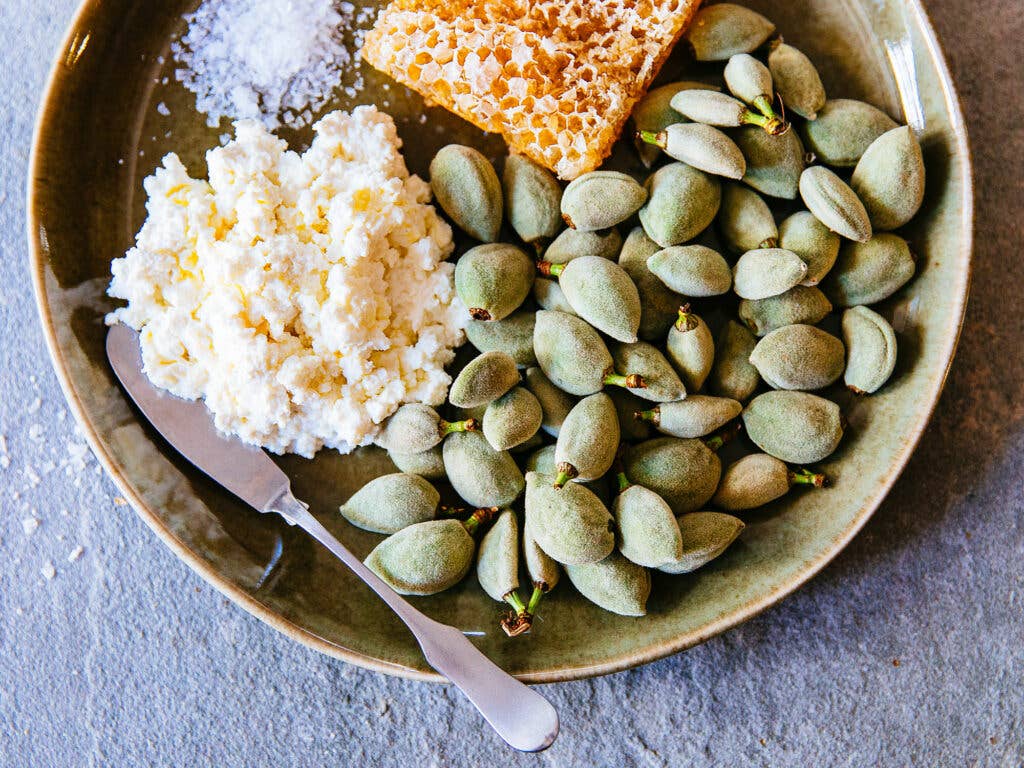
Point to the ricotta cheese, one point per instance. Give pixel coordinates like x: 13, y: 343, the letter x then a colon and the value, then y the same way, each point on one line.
x: 304, y: 297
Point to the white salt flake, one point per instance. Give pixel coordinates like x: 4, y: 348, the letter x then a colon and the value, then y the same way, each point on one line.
x: 35, y: 432
x: 48, y: 570
x: 34, y: 405
x: 75, y: 553
x: 263, y: 59
x: 29, y: 525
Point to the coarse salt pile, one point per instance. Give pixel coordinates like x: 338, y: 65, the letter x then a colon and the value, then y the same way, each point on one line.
x: 305, y: 297
x: 276, y: 61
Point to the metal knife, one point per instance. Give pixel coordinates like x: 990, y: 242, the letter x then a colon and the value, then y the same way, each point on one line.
x: 521, y: 716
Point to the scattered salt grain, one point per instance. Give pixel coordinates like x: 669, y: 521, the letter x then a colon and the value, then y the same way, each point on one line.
x: 34, y: 405
x: 29, y: 525
x: 264, y: 59
x: 163, y: 109
x: 48, y: 570
x: 35, y: 432
x: 75, y: 553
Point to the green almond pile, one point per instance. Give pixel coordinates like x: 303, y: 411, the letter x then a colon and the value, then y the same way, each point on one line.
x: 628, y: 328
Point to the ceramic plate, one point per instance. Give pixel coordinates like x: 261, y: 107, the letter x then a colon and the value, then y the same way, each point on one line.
x: 100, y: 133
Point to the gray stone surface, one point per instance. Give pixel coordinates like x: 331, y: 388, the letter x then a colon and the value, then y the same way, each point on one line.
x: 907, y: 650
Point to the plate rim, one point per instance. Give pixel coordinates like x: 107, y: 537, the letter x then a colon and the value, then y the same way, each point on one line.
x: 45, y: 115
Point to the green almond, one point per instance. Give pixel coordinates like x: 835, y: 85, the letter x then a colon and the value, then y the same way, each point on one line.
x: 493, y: 280
x: 413, y: 428
x: 722, y: 30
x: 588, y: 440
x: 732, y: 375
x: 797, y: 427
x: 682, y: 202
x: 866, y: 273
x: 602, y: 294
x: 843, y: 130
x: 571, y: 353
x: 748, y: 79
x: 799, y: 357
x: 466, y: 187
x: 661, y: 383
x: 796, y: 80
x: 765, y: 272
x: 570, y: 524
x: 703, y: 147
x: 425, y: 558
x: 512, y: 419
x: 800, y: 304
x: 601, y: 199
x: 690, y: 349
x: 485, y: 378
x: 572, y: 243
x: 658, y: 303
x: 871, y: 350
x: 482, y: 476
x: 745, y: 220
x: 392, y: 502
x: 428, y: 464
x: 751, y: 482
x: 710, y: 108
x: 696, y: 416
x: 889, y: 178
x: 533, y: 199
x: 692, y: 270
x: 774, y: 163
x: 497, y: 562
x: 705, y: 535
x: 684, y: 473
x: 615, y: 584
x: 812, y: 241
x: 834, y: 203
x: 647, y: 530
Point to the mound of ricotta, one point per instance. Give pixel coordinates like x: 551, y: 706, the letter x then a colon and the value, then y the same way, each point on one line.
x: 303, y: 296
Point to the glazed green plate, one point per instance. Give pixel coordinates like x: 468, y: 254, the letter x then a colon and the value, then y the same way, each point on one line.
x: 100, y: 133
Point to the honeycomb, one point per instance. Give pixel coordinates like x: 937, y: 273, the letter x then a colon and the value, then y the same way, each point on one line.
x: 557, y: 78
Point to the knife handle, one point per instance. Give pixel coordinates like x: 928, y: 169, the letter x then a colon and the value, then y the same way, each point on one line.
x: 520, y: 715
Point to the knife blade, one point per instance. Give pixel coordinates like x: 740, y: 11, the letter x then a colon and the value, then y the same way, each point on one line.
x: 245, y: 470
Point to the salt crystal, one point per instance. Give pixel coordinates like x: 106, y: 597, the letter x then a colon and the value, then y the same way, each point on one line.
x: 35, y: 432
x: 29, y: 525
x: 48, y: 570
x: 34, y: 405
x: 263, y: 59
x: 75, y: 553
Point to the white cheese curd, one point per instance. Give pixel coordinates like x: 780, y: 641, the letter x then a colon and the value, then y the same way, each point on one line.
x: 305, y: 297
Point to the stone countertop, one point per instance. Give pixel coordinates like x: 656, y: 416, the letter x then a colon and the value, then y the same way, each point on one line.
x: 907, y: 650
